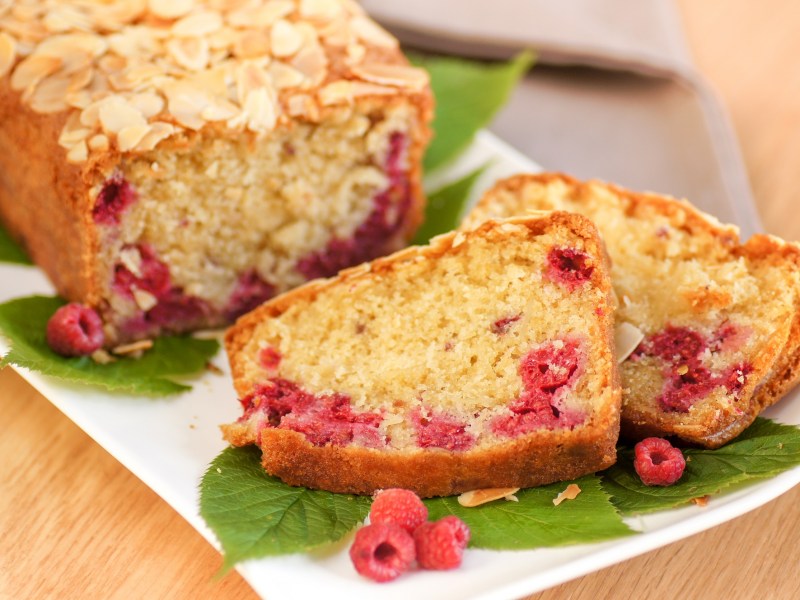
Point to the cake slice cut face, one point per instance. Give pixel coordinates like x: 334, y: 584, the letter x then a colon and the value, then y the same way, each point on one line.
x: 482, y: 360
x: 719, y: 320
x: 173, y: 165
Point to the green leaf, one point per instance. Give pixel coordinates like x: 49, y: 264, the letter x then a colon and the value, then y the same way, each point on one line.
x: 10, y: 251
x: 468, y: 94
x: 534, y: 521
x: 763, y: 450
x: 255, y: 515
x: 23, y: 322
x: 445, y: 207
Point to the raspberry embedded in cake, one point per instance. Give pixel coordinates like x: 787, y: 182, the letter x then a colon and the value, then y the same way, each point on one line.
x: 437, y: 429
x: 568, y: 266
x: 116, y: 195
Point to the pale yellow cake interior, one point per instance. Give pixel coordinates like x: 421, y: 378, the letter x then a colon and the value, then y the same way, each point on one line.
x: 422, y: 336
x: 668, y: 271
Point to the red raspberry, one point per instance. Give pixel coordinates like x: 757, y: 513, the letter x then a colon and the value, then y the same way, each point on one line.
x: 657, y: 462
x: 399, y: 507
x: 75, y: 330
x: 382, y: 551
x: 440, y: 545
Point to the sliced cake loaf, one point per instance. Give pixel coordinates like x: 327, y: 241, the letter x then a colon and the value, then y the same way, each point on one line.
x: 174, y: 164
x: 482, y: 360
x: 719, y: 320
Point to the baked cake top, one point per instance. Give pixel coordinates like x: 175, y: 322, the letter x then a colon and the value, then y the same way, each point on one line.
x: 126, y: 75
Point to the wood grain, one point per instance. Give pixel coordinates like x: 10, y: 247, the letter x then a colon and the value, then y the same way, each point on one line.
x: 75, y: 523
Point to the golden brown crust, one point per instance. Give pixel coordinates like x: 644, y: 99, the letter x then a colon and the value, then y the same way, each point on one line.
x: 533, y: 459
x: 778, y: 367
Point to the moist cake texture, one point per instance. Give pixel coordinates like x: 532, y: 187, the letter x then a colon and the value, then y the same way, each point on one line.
x: 482, y: 360
x: 173, y: 164
x: 719, y: 319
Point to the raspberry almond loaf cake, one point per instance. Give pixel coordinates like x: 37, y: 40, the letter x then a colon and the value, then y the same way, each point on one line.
x: 483, y: 360
x: 174, y: 163
x: 719, y: 320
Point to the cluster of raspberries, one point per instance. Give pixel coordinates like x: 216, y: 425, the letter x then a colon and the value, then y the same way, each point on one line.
x: 399, y: 533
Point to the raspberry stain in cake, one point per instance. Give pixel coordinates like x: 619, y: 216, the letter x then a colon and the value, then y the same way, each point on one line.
x: 441, y: 430
x: 568, y: 266
x: 502, y: 325
x: 172, y: 309
x: 116, y: 195
x: 548, y: 371
x: 376, y: 235
x: 327, y: 419
x: 269, y: 358
x: 686, y: 379
x: 250, y: 291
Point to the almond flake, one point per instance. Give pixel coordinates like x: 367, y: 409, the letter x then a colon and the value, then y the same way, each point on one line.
x: 133, y: 348
x: 283, y: 76
x: 129, y: 137
x: 90, y: 44
x: 78, y: 153
x: 190, y: 52
x: 116, y: 114
x: 459, y: 239
x: 478, y: 497
x: 262, y: 16
x: 627, y: 338
x: 198, y: 24
x: 80, y: 99
x: 570, y: 493
x: 48, y: 96
x: 250, y: 77
x: 312, y: 62
x: 320, y: 10
x: 99, y: 143
x: 60, y: 19
x: 158, y: 132
x: 102, y: 357
x: 73, y: 132
x: 347, y: 91
x: 252, y: 43
x: 221, y: 110
x: 285, y: 40
x: 8, y: 53
x: 170, y: 9
x: 259, y: 110
x: 148, y: 103
x: 400, y: 75
x: 303, y: 105
x: 701, y: 501
x: 370, y: 32
x: 144, y: 299
x: 32, y: 70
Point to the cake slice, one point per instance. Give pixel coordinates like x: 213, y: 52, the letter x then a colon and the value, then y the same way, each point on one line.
x: 719, y: 320
x: 483, y: 360
x: 174, y: 164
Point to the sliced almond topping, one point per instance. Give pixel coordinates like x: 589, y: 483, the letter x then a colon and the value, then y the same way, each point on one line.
x: 131, y: 259
x: 319, y: 10
x: 251, y: 44
x: 61, y: 45
x: 133, y: 347
x: 8, y: 53
x: 570, y: 493
x: 260, y: 17
x: 80, y: 79
x: 170, y: 9
x: 355, y: 54
x: 220, y: 110
x: 190, y: 52
x: 459, y: 239
x: 99, y: 143
x: 73, y: 132
x: 144, y: 299
x: 158, y: 131
x: 370, y: 32
x: 259, y: 110
x: 312, y: 62
x: 32, y: 70
x: 78, y: 153
x: 250, y: 77
x: 285, y: 40
x: 116, y: 114
x: 284, y: 76
x: 303, y: 105
x: 400, y: 75
x: 701, y: 501
x: 478, y: 497
x: 148, y: 103
x: 340, y: 92
x: 626, y: 339
x: 198, y: 24
x: 48, y: 96
x: 129, y: 137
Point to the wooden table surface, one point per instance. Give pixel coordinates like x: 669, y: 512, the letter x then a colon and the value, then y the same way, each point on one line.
x: 75, y: 523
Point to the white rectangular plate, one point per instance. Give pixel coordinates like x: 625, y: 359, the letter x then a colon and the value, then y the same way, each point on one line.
x: 168, y: 443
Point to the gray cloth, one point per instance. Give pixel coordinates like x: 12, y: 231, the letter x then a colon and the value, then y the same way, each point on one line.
x: 615, y: 94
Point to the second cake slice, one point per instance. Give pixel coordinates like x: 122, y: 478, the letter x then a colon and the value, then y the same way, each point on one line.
x: 482, y: 360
